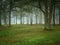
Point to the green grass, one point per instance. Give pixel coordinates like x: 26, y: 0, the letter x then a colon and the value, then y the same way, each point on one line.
x: 29, y: 35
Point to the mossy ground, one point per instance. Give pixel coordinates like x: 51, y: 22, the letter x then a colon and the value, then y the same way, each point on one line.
x: 29, y: 35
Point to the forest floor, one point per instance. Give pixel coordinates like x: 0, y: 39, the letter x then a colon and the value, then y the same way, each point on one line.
x: 29, y: 35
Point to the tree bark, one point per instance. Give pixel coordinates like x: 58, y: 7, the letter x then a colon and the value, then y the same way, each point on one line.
x: 27, y: 19
x: 54, y: 15
x: 0, y: 11
x: 48, y: 15
x: 5, y: 21
x: 10, y: 8
x: 0, y: 18
x: 31, y: 19
x: 21, y: 19
x: 9, y: 18
x: 16, y: 19
x: 36, y: 19
x: 59, y: 16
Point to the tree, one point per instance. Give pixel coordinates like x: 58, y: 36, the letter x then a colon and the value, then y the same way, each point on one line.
x: 57, y: 5
x: 47, y: 12
x: 27, y: 16
x: 1, y: 2
x: 4, y: 11
x: 21, y: 16
x: 10, y: 9
x: 0, y: 18
x: 59, y: 16
x: 36, y: 14
x: 28, y: 9
x: 54, y: 15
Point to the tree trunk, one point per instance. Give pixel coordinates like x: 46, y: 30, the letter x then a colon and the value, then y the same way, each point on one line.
x: 16, y: 19
x: 47, y: 13
x: 10, y: 8
x: 0, y: 18
x: 40, y: 19
x: 54, y: 15
x: 27, y: 19
x: 20, y: 19
x: 23, y: 20
x: 36, y: 19
x: 48, y: 20
x: 46, y: 16
x: 59, y: 16
x: 9, y: 18
x: 31, y: 20
x: 5, y: 22
x: 0, y: 11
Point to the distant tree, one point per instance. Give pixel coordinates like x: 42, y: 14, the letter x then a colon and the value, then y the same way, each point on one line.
x: 28, y: 9
x: 54, y: 15
x: 1, y: 2
x: 27, y: 16
x: 36, y: 14
x: 59, y: 16
x: 30, y: 19
x: 10, y: 8
x: 11, y: 2
x: 5, y: 11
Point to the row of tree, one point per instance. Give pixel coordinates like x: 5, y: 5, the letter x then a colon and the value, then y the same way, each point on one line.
x: 47, y: 7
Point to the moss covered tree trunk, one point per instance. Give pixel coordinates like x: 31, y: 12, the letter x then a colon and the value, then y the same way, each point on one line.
x: 48, y: 14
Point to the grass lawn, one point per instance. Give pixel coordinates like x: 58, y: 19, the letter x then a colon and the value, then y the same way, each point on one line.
x: 29, y: 35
